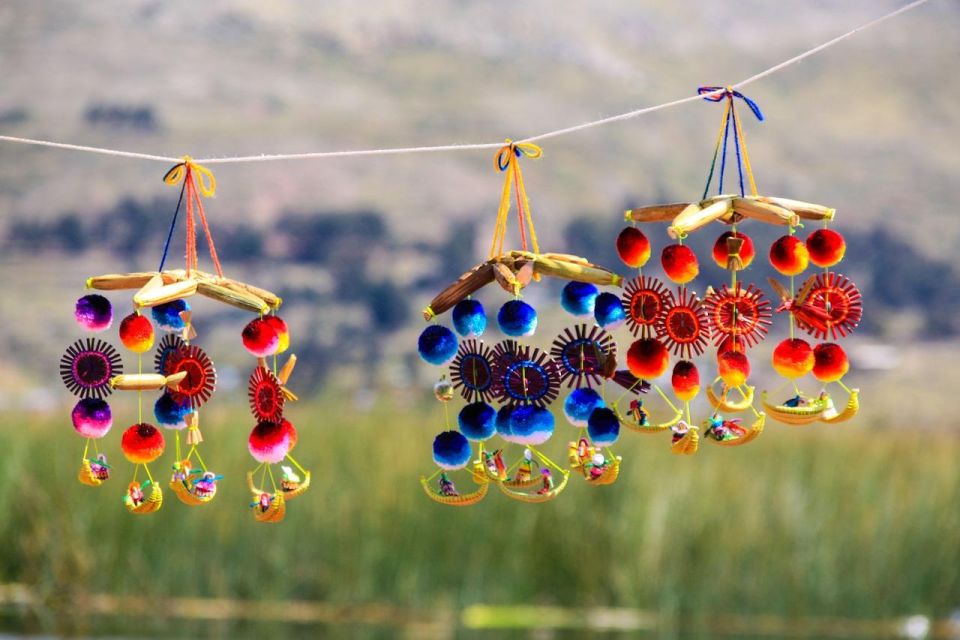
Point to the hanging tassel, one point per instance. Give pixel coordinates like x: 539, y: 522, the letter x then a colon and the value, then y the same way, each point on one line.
x: 194, y: 437
x: 734, y: 263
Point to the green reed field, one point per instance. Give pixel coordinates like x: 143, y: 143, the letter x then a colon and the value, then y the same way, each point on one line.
x: 846, y: 521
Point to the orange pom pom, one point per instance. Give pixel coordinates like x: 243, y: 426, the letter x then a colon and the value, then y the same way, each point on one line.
x: 647, y: 358
x: 633, y: 247
x: 789, y: 256
x: 734, y: 368
x: 679, y: 263
x: 793, y: 358
x: 685, y: 380
x: 830, y: 362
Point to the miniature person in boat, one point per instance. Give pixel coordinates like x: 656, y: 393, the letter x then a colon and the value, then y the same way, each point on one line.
x: 721, y: 429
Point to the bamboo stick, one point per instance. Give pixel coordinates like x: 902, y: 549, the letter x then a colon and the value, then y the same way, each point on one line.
x: 468, y: 283
x: 806, y: 210
x: 765, y: 212
x: 655, y: 213
x: 146, y: 381
x: 269, y: 297
x: 159, y: 295
x: 115, y: 281
x: 695, y: 216
x: 579, y: 272
x: 233, y: 297
x: 506, y: 279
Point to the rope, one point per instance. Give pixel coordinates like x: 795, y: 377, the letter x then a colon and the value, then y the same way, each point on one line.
x: 629, y: 115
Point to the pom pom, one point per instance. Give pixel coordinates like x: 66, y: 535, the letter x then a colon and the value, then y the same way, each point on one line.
x: 171, y: 411
x: 830, y: 362
x: 789, y: 256
x: 451, y: 450
x: 793, y: 358
x: 721, y: 250
x: 477, y: 421
x: 437, y: 344
x: 94, y: 312
x: 469, y: 318
x: 502, y: 422
x: 608, y: 311
x: 136, y: 333
x: 92, y: 418
x: 517, y: 319
x: 578, y: 298
x: 531, y: 425
x: 142, y: 443
x: 167, y: 315
x: 580, y: 404
x: 270, y: 442
x: 633, y: 247
x: 260, y: 339
x: 685, y: 380
x: 603, y: 427
x: 647, y: 358
x: 283, y: 332
x: 826, y: 247
x: 734, y: 368
x: 679, y: 263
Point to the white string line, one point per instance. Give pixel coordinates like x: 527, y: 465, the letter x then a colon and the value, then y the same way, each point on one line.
x: 468, y: 147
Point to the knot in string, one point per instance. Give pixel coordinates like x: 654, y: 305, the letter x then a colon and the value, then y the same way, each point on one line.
x: 207, y: 183
x: 716, y: 94
x: 507, y: 153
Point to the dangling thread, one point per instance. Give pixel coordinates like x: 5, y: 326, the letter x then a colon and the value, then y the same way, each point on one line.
x: 194, y: 188
x: 730, y: 113
x: 507, y: 160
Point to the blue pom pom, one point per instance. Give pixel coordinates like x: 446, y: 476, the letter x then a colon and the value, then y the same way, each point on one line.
x: 531, y: 425
x: 477, y: 421
x: 167, y: 315
x: 469, y: 318
x: 580, y: 404
x: 603, y: 427
x: 608, y: 311
x: 172, y: 413
x: 502, y: 422
x: 517, y: 319
x: 578, y: 298
x: 451, y: 450
x: 437, y: 344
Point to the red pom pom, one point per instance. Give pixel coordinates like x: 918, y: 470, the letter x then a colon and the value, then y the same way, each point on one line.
x: 270, y: 442
x: 789, y: 256
x: 734, y: 368
x: 721, y: 253
x: 633, y: 247
x: 830, y: 362
x: 679, y: 263
x: 793, y: 358
x: 647, y: 358
x: 142, y: 443
x: 685, y: 380
x: 283, y: 333
x: 826, y: 247
x: 260, y: 339
x: 136, y: 333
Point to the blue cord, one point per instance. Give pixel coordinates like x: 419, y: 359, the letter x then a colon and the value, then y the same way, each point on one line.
x: 173, y: 224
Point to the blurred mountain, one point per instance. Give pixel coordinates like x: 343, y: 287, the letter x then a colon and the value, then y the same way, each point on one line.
x: 869, y: 127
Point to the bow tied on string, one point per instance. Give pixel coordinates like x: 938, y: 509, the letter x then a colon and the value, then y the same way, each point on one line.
x: 197, y: 181
x: 729, y: 95
x: 507, y: 160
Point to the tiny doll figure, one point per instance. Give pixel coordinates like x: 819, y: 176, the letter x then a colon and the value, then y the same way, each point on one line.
x: 446, y: 486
